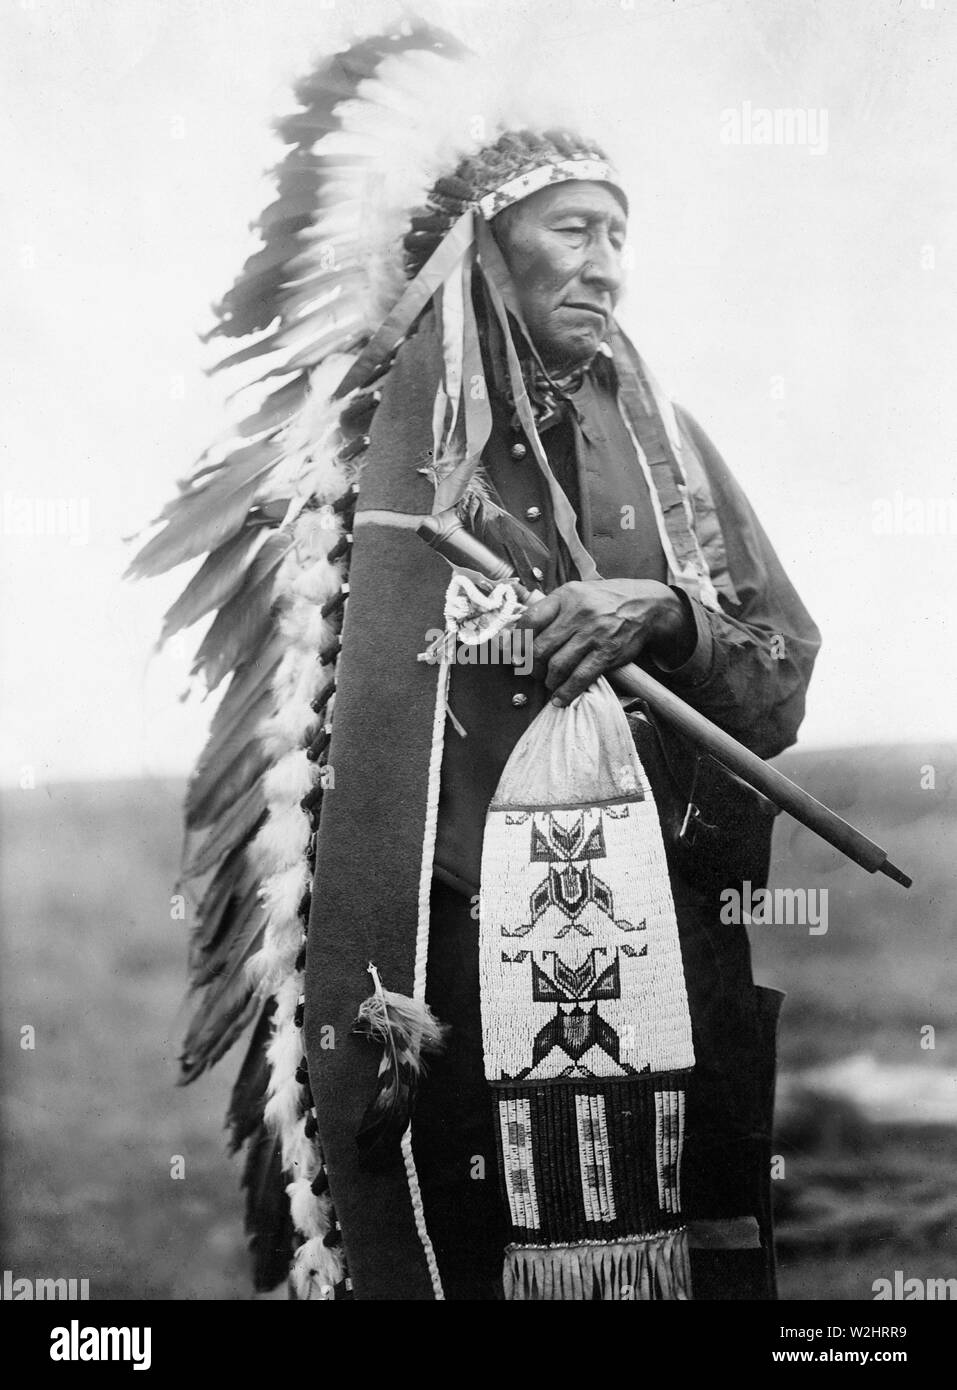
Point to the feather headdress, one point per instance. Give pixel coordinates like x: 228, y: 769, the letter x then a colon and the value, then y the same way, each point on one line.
x: 270, y: 510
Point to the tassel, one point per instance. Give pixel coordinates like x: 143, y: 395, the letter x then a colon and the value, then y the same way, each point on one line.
x: 646, y: 1269
x: 407, y: 1030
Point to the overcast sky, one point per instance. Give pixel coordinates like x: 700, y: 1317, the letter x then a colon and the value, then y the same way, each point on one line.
x: 798, y: 299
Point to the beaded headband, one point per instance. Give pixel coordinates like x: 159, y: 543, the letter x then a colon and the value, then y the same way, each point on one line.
x: 560, y: 171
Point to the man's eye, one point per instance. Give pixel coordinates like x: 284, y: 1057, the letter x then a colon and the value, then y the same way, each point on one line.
x: 571, y: 227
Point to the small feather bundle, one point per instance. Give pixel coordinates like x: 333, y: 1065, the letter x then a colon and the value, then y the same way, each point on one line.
x: 407, y: 1030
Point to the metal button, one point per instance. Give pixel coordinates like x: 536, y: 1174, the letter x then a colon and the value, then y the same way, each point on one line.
x: 537, y: 572
x: 519, y: 701
x: 518, y: 451
x: 533, y: 513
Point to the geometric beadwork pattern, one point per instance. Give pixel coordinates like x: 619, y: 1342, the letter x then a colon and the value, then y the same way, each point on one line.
x: 669, y: 1136
x: 586, y: 1162
x: 581, y: 972
x: 515, y: 1123
x: 594, y: 1157
x: 586, y: 1032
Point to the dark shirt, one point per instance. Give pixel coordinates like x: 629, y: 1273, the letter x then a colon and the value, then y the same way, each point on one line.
x: 752, y: 660
x: 593, y: 459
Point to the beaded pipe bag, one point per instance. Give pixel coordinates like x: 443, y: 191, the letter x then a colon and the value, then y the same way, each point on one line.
x: 585, y: 1023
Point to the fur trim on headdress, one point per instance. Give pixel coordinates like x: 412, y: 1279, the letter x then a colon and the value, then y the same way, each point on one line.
x: 515, y: 153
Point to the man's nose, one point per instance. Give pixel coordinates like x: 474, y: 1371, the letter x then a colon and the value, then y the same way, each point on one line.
x: 603, y: 266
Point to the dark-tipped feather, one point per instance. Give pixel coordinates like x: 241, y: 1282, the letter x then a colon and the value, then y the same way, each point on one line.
x: 247, y: 1102
x: 214, y: 914
x: 276, y: 409
x: 207, y: 798
x: 207, y: 517
x: 209, y: 1040
x: 247, y: 685
x: 221, y: 966
x: 214, y: 583
x: 238, y: 823
x: 268, y: 1219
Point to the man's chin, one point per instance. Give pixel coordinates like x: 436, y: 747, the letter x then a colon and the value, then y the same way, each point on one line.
x: 571, y: 351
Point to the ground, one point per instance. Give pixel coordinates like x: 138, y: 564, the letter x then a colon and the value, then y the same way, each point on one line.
x: 94, y: 1123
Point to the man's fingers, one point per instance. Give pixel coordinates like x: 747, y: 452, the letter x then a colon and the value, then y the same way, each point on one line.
x: 567, y: 657
x: 550, y: 635
x: 557, y: 635
x: 540, y: 614
x: 585, y: 674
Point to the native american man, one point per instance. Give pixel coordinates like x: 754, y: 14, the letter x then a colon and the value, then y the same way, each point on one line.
x: 744, y: 659
x: 337, y: 818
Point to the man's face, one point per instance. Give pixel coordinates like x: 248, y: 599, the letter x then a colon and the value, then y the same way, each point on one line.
x: 563, y: 247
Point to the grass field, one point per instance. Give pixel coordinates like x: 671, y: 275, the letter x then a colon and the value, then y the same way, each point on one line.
x: 93, y: 1120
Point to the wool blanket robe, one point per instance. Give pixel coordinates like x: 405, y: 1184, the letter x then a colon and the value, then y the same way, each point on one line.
x: 368, y: 890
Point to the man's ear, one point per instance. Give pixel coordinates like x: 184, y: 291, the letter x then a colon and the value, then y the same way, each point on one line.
x: 501, y: 227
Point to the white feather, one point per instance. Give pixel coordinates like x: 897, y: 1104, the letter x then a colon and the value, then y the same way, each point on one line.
x: 315, y: 1271
x: 289, y: 779
x: 307, y: 1215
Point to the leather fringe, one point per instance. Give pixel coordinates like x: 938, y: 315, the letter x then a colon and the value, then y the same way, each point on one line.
x: 642, y: 1270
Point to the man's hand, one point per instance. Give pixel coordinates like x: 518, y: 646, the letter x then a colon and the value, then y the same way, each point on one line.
x: 585, y: 629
